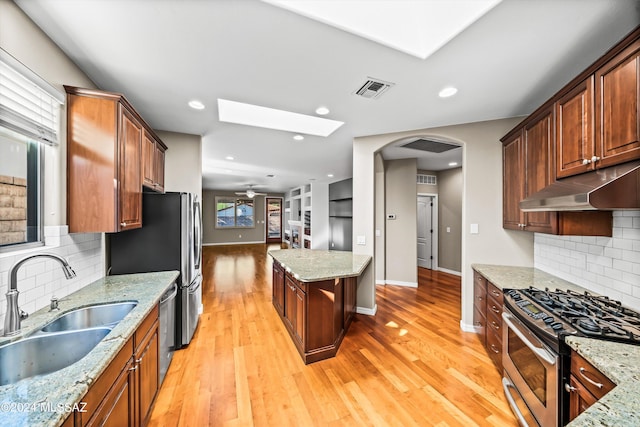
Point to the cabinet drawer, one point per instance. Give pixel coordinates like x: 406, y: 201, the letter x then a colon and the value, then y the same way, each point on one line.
x: 593, y: 380
x: 494, y: 323
x: 479, y: 292
x: 494, y: 292
x: 480, y: 323
x: 494, y: 348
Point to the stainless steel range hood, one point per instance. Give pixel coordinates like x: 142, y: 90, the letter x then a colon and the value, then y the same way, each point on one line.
x: 612, y: 188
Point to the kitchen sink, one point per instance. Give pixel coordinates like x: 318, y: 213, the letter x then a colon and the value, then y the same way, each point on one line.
x: 46, y: 353
x: 88, y: 317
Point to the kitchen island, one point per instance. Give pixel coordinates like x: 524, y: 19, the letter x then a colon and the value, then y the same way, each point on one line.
x: 314, y: 292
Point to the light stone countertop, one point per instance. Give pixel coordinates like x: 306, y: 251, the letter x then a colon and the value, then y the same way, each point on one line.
x: 69, y: 385
x: 619, y: 362
x: 309, y: 265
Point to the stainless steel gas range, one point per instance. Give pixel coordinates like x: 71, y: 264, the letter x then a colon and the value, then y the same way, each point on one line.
x: 535, y: 356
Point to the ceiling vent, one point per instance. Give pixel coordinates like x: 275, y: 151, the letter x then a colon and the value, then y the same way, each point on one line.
x: 373, y: 88
x: 430, y: 145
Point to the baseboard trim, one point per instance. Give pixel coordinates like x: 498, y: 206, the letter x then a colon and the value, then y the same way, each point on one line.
x: 233, y: 243
x: 465, y: 327
x: 446, y: 270
x: 399, y: 283
x: 367, y: 311
x: 380, y: 282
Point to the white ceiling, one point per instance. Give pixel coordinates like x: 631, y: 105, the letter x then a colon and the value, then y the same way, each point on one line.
x: 161, y: 54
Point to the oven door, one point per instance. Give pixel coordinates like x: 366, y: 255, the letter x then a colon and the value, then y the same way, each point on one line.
x: 532, y: 369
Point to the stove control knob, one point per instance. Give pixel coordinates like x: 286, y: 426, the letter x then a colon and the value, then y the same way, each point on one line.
x: 556, y: 326
x: 549, y: 320
x: 541, y: 316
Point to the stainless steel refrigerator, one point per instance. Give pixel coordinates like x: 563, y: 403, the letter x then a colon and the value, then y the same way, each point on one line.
x: 170, y: 239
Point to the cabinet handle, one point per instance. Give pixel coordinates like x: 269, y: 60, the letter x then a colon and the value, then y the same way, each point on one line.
x: 582, y: 374
x: 495, y: 325
x: 495, y: 293
x: 123, y: 224
x: 495, y: 309
x: 495, y: 349
x: 479, y: 298
x: 139, y: 361
x: 586, y: 161
x: 570, y: 388
x: 134, y: 368
x: 595, y: 159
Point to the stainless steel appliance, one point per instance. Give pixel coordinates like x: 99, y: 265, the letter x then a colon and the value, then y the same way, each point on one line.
x: 170, y: 239
x: 167, y: 327
x: 535, y: 357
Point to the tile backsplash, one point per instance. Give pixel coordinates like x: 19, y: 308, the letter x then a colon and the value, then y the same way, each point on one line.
x: 41, y: 278
x: 605, y: 265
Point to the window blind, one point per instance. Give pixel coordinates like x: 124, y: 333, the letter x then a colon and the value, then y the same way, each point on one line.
x: 28, y: 104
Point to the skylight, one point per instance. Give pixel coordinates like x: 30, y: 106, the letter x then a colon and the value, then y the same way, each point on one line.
x: 418, y: 28
x: 265, y: 117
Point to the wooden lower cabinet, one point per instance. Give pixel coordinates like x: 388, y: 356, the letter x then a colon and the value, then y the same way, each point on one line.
x: 316, y: 314
x: 586, y: 385
x: 125, y: 392
x: 487, y: 316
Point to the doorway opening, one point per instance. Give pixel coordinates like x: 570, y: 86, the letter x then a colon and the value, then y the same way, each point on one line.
x: 427, y: 226
x: 273, y: 230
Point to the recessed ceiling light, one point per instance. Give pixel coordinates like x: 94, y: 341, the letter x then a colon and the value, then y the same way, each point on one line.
x: 330, y: 175
x: 229, y: 158
x: 453, y: 164
x: 227, y: 171
x: 196, y: 105
x: 298, y: 137
x: 323, y: 111
x: 447, y: 92
x: 254, y: 115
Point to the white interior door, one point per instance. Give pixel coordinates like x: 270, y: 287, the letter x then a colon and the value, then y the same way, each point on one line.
x: 425, y: 231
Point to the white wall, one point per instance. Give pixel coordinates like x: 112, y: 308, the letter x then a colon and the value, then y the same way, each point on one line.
x: 482, y: 204
x: 605, y: 265
x: 450, y: 217
x: 38, y: 280
x: 380, y: 221
x: 183, y: 162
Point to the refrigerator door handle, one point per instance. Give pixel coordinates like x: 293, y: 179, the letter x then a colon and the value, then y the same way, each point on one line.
x: 197, y: 214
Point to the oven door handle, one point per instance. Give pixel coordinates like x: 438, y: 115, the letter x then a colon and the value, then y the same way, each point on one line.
x: 506, y: 385
x: 540, y: 352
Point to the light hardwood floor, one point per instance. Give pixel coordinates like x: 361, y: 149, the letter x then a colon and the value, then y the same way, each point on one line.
x: 410, y: 365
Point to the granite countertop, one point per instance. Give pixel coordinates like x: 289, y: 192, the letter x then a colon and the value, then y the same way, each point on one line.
x: 45, y: 400
x: 619, y: 362
x: 308, y: 265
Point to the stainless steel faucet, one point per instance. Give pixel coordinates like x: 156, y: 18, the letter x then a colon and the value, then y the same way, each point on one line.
x: 14, y: 315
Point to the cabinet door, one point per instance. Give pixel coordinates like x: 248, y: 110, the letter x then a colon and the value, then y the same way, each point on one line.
x: 278, y: 288
x: 574, y: 131
x: 147, y: 376
x: 579, y: 398
x: 512, y: 182
x: 159, y: 168
x: 618, y: 116
x: 350, y: 299
x: 148, y: 160
x: 299, y: 325
x: 538, y: 146
x: 117, y: 408
x: 290, y: 303
x: 129, y: 171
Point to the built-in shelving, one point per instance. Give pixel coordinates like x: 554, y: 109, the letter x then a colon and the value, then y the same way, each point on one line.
x: 307, y: 216
x: 340, y: 215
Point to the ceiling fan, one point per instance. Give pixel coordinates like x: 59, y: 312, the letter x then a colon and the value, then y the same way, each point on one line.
x: 250, y: 193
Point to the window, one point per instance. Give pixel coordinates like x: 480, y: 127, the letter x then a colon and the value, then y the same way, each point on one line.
x: 234, y: 213
x: 29, y: 118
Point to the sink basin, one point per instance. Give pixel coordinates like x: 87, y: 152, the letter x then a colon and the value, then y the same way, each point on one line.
x: 43, y: 354
x: 92, y: 316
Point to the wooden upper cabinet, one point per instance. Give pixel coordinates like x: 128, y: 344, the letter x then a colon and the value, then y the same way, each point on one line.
x: 617, y: 86
x: 153, y: 162
x: 575, y: 130
x: 107, y: 162
x: 513, y: 183
x: 539, y: 140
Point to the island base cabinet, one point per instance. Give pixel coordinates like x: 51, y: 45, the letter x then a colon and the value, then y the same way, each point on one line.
x: 316, y: 314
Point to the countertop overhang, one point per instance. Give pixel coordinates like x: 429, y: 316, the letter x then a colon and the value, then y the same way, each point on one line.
x: 310, y: 265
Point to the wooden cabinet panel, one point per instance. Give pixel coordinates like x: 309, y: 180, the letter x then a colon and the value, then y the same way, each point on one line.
x: 129, y: 174
x: 513, y: 183
x: 300, y: 324
x: 147, y: 376
x: 617, y: 112
x: 290, y: 304
x: 487, y: 316
x: 575, y: 130
x: 117, y: 408
x: 278, y: 288
x: 159, y: 167
x: 350, y: 299
x: 148, y: 160
x: 579, y: 398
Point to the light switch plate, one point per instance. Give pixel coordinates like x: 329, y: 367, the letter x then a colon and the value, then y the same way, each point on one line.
x: 360, y: 240
x: 378, y: 233
x: 473, y: 229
